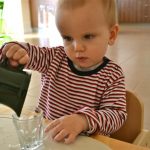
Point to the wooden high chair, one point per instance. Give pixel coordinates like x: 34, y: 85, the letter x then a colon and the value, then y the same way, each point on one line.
x: 134, y: 123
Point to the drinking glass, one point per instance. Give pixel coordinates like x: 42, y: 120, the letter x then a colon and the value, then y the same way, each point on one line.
x: 29, y: 128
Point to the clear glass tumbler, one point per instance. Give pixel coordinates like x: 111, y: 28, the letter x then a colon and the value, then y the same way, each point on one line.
x: 29, y: 128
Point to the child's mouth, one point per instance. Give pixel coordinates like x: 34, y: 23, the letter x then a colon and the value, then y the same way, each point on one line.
x: 81, y: 58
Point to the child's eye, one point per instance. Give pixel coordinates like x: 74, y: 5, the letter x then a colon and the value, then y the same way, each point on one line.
x: 67, y: 38
x: 89, y: 36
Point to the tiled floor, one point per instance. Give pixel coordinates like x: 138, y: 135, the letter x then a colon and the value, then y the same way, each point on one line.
x: 131, y: 51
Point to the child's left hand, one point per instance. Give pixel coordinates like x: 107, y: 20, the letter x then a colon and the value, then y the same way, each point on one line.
x: 67, y: 127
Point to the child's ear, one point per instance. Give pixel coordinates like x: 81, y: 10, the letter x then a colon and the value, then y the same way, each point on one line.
x: 113, y: 34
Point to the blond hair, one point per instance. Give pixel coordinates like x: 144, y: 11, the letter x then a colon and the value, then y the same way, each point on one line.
x: 108, y: 5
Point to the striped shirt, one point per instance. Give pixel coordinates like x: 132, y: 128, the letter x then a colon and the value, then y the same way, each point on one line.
x: 99, y: 94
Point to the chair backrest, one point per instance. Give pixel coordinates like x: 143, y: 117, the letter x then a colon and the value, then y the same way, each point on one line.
x: 134, y: 123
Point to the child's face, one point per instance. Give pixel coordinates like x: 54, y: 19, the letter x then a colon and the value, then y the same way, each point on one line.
x: 85, y: 33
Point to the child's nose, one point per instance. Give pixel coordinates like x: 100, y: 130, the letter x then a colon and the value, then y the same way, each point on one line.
x: 78, y: 46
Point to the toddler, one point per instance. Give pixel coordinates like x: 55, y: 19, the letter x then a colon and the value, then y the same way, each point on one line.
x: 82, y: 91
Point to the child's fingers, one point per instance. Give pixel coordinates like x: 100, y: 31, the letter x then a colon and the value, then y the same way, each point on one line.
x: 10, y: 52
x: 15, y: 53
x: 13, y: 63
x: 7, y: 47
x: 70, y: 139
x: 52, y: 124
x: 60, y: 136
x: 19, y: 53
x: 24, y: 60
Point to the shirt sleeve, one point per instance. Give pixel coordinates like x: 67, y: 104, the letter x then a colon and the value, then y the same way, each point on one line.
x: 112, y: 110
x: 40, y: 57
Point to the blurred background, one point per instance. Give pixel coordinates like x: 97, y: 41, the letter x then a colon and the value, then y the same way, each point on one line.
x: 33, y: 21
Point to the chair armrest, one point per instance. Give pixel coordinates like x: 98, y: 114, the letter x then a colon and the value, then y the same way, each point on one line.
x: 143, y: 139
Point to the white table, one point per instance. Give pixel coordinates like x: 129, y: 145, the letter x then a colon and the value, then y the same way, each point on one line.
x: 8, y: 136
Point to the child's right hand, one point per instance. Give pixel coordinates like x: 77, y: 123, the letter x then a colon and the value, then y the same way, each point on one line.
x: 15, y: 54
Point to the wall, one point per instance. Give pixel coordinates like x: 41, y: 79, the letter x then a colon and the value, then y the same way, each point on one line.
x: 34, y: 13
x: 134, y: 11
x: 26, y: 16
x: 17, y: 17
x: 13, y: 17
x: 35, y: 4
